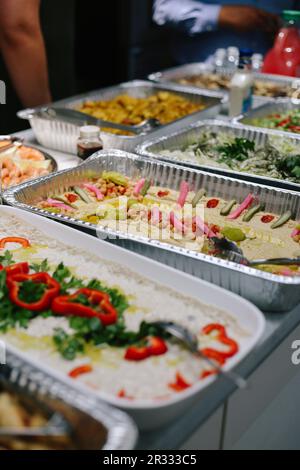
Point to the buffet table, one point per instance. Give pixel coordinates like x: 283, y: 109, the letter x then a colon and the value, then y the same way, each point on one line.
x: 224, y: 415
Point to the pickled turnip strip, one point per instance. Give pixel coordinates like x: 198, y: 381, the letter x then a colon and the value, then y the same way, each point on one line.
x: 94, y: 190
x: 245, y: 205
x: 201, y: 225
x: 177, y: 224
x: 138, y: 187
x: 58, y: 204
x: 184, y: 191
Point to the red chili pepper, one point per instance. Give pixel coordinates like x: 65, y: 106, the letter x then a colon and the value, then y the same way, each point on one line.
x: 22, y: 241
x: 266, y: 219
x: 180, y: 384
x: 100, y: 306
x: 19, y: 268
x: 71, y: 197
x: 163, y: 193
x: 212, y: 203
x: 14, y: 283
x: 154, y: 346
x: 222, y: 338
x: 86, y: 369
x: 295, y: 128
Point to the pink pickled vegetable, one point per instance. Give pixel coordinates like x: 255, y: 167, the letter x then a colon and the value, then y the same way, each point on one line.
x: 201, y: 225
x: 177, y: 224
x: 138, y: 187
x: 95, y: 190
x: 295, y: 233
x: 288, y: 272
x: 155, y: 215
x: 58, y: 204
x: 184, y: 191
x: 245, y: 205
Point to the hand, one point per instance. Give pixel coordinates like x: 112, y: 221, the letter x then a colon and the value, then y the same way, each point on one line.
x: 243, y: 18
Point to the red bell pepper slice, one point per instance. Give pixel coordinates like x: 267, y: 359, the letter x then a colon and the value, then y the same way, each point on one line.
x: 14, y: 283
x: 180, y: 384
x: 100, y: 306
x: 22, y: 241
x: 19, y: 268
x: 154, y: 346
x: 222, y: 338
x: 86, y: 369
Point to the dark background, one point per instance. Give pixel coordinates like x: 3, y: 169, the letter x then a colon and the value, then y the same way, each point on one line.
x: 93, y: 44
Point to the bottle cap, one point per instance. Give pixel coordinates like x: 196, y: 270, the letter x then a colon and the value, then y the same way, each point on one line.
x: 246, y: 52
x: 291, y: 15
x: 88, y: 132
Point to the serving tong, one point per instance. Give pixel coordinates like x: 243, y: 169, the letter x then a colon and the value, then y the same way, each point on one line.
x: 77, y: 117
x: 56, y: 427
x: 233, y: 253
x: 190, y: 342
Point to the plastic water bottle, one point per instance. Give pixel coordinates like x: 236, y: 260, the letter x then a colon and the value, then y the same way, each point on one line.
x: 241, y: 86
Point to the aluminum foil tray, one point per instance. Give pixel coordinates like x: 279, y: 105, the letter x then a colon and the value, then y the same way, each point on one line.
x: 63, y: 136
x: 189, y: 135
x: 269, y: 292
x: 93, y: 425
x: 280, y: 106
x: 169, y: 76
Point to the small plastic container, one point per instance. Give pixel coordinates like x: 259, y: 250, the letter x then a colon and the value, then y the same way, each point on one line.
x: 89, y: 142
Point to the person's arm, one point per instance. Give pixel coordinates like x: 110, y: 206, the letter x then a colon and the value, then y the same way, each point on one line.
x: 194, y: 17
x: 188, y: 16
x: 23, y: 49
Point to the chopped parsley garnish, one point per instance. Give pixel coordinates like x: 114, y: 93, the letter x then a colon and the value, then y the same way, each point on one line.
x: 237, y: 150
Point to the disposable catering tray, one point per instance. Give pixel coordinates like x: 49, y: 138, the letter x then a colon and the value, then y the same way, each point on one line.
x: 90, y: 424
x: 171, y: 75
x: 269, y: 292
x: 147, y: 413
x: 63, y: 136
x: 190, y: 135
x: 280, y: 106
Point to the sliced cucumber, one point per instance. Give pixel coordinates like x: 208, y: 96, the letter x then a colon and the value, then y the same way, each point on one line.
x: 199, y: 195
x: 82, y: 194
x: 252, y: 212
x: 228, y: 208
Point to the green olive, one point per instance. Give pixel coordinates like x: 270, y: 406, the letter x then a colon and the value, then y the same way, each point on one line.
x: 233, y: 234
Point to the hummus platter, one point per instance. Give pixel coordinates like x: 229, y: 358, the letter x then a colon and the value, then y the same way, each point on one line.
x: 96, y: 329
x: 189, y: 218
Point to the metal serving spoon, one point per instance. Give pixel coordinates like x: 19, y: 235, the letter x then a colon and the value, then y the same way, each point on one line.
x: 77, y: 117
x: 57, y: 426
x: 235, y: 254
x: 190, y: 341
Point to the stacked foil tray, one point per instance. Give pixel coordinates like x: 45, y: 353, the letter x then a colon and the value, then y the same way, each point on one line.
x: 278, y: 107
x: 63, y: 136
x: 170, y: 76
x: 268, y: 291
